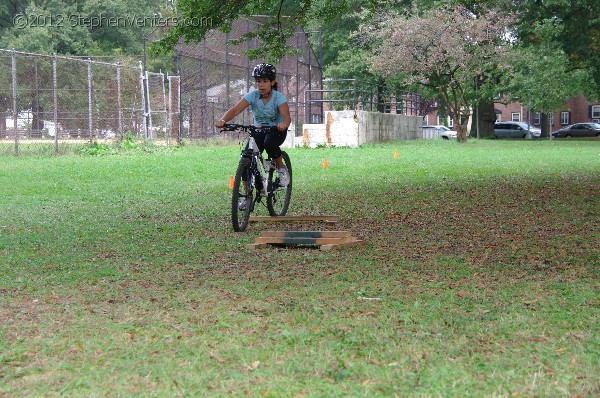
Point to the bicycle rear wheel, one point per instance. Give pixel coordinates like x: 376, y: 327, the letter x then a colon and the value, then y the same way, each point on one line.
x: 278, y: 199
x: 242, y: 202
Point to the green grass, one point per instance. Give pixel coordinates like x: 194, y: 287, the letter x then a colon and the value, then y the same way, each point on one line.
x: 120, y: 275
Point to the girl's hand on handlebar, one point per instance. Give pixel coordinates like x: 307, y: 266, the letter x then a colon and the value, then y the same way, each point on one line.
x: 281, y: 127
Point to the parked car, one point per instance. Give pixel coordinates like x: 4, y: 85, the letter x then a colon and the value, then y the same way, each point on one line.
x: 515, y: 130
x: 438, y: 130
x: 578, y: 130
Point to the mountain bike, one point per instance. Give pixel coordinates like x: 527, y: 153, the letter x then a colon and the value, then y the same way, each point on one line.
x: 256, y: 179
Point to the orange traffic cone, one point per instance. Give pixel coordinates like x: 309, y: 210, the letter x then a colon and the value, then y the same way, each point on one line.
x: 231, y: 182
x: 325, y: 164
x: 396, y: 154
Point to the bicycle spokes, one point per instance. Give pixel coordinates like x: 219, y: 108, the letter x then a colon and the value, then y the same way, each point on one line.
x: 278, y: 199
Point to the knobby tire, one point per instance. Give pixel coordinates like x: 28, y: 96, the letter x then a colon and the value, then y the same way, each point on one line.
x: 278, y: 201
x: 239, y: 219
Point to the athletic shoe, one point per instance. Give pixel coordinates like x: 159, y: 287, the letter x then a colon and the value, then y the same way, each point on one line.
x: 284, y: 177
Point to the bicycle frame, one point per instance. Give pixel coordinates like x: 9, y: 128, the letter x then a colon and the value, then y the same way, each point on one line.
x: 266, y: 165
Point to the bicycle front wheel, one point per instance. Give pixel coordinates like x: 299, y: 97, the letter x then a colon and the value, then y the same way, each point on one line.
x: 242, y: 198
x: 278, y: 199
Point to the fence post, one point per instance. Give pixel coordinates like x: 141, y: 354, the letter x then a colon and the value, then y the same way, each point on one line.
x: 179, y: 124
x: 174, y: 108
x: 166, y: 116
x: 227, y: 71
x: 354, y: 102
x: 144, y: 108
x: 55, y: 104
x: 119, y: 116
x: 307, y: 110
x: 297, y: 110
x: 90, y: 114
x: 169, y: 112
x: 14, y: 94
x: 148, y: 108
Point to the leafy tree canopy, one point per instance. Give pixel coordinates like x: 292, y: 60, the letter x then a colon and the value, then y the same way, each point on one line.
x: 574, y: 25
x: 282, y: 19
x: 442, y: 48
x: 78, y: 27
x: 540, y: 73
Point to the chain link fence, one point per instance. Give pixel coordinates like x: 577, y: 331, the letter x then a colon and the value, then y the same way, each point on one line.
x: 51, y: 103
x: 215, y: 74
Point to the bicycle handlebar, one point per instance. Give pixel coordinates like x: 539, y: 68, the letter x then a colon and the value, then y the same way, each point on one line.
x: 248, y: 128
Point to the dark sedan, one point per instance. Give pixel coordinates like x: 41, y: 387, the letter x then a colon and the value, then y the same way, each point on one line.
x: 578, y: 130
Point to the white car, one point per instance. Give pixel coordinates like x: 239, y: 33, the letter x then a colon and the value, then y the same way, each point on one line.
x: 438, y: 130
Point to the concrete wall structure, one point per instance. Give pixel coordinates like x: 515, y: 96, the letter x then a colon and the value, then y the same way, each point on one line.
x: 354, y: 128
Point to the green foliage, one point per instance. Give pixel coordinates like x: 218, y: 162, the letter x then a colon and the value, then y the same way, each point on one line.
x: 130, y: 144
x: 573, y: 25
x: 83, y: 27
x: 282, y: 19
x: 98, y: 149
x: 541, y: 78
x: 444, y: 49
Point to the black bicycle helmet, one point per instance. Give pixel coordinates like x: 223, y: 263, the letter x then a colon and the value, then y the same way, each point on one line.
x: 264, y: 70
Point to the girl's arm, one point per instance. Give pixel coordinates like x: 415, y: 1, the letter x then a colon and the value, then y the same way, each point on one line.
x: 286, y: 119
x: 233, y: 112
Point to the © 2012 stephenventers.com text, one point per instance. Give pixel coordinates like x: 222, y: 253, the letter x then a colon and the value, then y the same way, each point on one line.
x: 22, y: 21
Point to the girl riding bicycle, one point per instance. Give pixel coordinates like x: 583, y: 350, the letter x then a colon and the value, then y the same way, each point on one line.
x: 270, y: 109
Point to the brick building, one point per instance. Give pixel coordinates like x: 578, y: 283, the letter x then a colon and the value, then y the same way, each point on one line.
x: 576, y: 110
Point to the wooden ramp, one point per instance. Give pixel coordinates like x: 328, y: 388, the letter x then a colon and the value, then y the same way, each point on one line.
x: 326, y: 218
x: 325, y: 240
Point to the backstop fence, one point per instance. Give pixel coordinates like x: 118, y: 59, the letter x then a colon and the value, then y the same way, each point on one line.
x: 215, y: 74
x: 47, y: 101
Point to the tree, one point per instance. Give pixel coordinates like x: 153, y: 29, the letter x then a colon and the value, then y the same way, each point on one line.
x: 282, y: 19
x: 539, y: 76
x: 444, y: 49
x: 573, y: 25
x: 78, y: 27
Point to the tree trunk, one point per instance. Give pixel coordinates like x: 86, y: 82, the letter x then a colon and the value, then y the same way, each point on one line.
x: 545, y: 125
x: 460, y: 128
x: 485, y: 119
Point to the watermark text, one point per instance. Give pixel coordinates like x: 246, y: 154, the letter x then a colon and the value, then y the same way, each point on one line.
x: 22, y: 21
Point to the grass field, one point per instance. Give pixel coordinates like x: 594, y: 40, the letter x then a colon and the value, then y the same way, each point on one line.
x: 120, y: 275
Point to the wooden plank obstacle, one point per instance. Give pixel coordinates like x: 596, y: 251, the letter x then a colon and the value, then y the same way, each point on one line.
x: 325, y: 240
x: 326, y: 218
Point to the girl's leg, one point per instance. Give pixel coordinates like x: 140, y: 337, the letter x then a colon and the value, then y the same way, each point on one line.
x: 272, y: 144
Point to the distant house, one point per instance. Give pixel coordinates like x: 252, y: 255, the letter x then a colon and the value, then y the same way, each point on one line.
x: 24, y: 119
x: 576, y: 110
x: 219, y: 92
x: 433, y: 117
